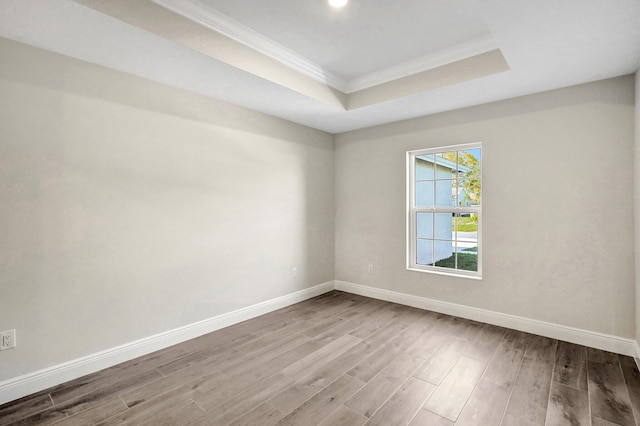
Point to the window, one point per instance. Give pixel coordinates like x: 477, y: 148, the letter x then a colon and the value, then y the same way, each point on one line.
x: 444, y: 210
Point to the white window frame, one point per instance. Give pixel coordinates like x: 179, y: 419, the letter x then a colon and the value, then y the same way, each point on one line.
x: 412, y: 211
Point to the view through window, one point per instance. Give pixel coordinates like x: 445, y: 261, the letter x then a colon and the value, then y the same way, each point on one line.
x: 444, y: 208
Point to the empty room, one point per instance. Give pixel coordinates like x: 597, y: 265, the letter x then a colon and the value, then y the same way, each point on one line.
x: 320, y: 212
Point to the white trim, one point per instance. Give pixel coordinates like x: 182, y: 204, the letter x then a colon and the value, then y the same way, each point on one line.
x: 412, y: 211
x: 636, y: 355
x: 579, y: 336
x: 217, y: 21
x: 27, y: 384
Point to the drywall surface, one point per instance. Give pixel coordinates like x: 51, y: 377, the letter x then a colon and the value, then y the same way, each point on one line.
x: 557, y: 206
x: 130, y: 208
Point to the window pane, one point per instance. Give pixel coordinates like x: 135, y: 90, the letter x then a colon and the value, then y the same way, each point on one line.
x: 445, y: 192
x: 469, y: 158
x: 446, y: 165
x: 469, y: 162
x: 424, y: 225
x: 444, y: 254
x: 443, y: 226
x: 424, y: 252
x: 424, y: 167
x: 468, y: 261
x: 467, y: 227
x: 424, y: 194
x: 468, y: 192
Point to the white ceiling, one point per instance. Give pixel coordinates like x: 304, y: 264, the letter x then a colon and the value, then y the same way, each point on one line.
x: 365, y: 36
x: 313, y: 65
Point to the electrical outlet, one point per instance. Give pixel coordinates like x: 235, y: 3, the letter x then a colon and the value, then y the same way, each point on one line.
x: 370, y: 269
x: 7, y: 340
x: 294, y: 273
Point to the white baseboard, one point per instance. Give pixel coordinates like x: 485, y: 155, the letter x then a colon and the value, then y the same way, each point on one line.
x: 591, y: 339
x: 27, y: 384
x: 636, y: 354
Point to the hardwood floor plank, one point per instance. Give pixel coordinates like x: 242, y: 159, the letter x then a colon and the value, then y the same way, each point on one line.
x: 368, y: 368
x: 567, y: 406
x: 343, y: 327
x: 442, y: 360
x: 228, y: 338
x: 194, y: 376
x: 205, y: 356
x: 247, y: 400
x: 449, y: 398
x: 608, y: 394
x: 23, y: 408
x: 381, y: 357
x: 427, y: 418
x: 160, y: 406
x: 404, y: 404
x: 104, y: 410
x: 89, y: 400
x: 146, y: 362
x: 632, y: 379
x: 115, y: 374
x: 410, y: 315
x: 505, y: 364
x: 243, y: 363
x: 319, y: 378
x: 242, y: 381
x: 427, y: 344
x: 530, y: 394
x: 461, y: 328
x: 321, y: 327
x: 263, y: 415
x: 487, y: 403
x: 186, y: 414
x: 272, y: 340
x: 344, y: 416
x: 381, y: 318
x: 381, y: 387
x: 571, y: 365
x: 486, y: 342
x: 324, y: 403
x: 599, y: 422
x: 320, y: 357
x: 485, y: 406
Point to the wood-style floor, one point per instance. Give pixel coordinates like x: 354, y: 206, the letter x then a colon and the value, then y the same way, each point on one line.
x: 341, y: 359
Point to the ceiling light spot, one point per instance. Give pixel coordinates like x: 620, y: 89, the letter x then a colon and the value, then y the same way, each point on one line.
x: 338, y: 3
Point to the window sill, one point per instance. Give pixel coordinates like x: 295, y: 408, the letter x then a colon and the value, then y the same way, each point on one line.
x: 450, y: 274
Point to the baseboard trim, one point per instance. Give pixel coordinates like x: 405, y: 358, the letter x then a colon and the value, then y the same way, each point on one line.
x: 636, y: 354
x: 27, y: 384
x: 592, y: 339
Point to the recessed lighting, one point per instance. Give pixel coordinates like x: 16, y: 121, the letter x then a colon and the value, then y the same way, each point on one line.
x: 338, y: 3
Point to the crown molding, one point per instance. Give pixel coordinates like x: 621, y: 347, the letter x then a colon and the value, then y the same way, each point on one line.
x: 217, y: 21
x: 435, y: 59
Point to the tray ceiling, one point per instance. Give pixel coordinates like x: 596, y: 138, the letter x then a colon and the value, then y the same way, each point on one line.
x: 370, y: 63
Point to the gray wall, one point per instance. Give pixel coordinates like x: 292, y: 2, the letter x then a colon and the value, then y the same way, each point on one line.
x: 130, y: 208
x: 557, y: 206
